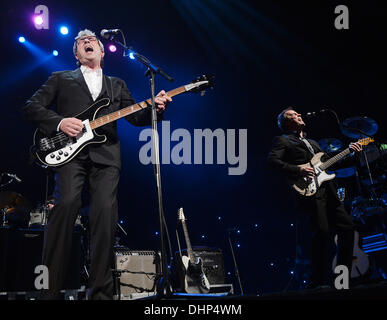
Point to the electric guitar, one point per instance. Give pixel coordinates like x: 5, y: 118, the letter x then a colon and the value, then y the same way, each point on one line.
x: 308, y: 186
x: 59, y: 148
x: 195, y: 281
x: 360, y: 261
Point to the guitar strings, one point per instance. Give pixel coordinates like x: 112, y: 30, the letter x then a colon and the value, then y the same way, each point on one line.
x: 60, y: 137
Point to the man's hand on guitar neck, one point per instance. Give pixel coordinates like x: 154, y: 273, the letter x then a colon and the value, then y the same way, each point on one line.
x: 162, y: 100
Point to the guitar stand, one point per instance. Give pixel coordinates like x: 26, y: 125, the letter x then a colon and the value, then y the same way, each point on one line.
x: 117, y: 283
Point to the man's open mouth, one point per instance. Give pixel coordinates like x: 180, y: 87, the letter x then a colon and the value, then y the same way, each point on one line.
x: 89, y: 49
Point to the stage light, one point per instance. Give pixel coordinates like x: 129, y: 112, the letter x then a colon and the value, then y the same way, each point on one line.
x: 238, y: 245
x: 64, y: 30
x: 38, y: 20
x: 238, y: 231
x: 22, y: 39
x: 156, y: 233
x: 112, y: 48
x: 55, y: 52
x: 131, y: 55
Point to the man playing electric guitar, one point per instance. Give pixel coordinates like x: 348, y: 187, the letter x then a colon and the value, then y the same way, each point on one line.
x: 288, y: 155
x: 71, y: 92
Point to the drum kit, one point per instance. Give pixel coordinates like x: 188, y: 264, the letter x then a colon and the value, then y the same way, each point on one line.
x: 17, y: 211
x: 368, y: 175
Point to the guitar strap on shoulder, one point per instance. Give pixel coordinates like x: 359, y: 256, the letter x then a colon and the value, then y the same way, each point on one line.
x: 308, y: 145
x: 111, y: 89
x: 109, y: 92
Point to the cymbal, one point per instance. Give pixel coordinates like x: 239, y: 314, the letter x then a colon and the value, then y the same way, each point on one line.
x: 330, y: 144
x: 12, y: 199
x: 17, y: 208
x: 365, y: 124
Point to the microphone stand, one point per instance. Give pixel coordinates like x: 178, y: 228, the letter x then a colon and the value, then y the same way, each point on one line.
x: 234, y: 260
x: 361, y: 132
x: 164, y: 286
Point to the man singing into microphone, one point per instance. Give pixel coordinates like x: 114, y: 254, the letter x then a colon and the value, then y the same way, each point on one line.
x: 324, y: 209
x: 71, y: 92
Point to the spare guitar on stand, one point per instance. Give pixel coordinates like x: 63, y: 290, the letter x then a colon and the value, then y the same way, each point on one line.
x: 195, y: 281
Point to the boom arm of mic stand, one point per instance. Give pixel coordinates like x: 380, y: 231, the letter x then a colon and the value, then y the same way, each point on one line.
x: 145, y: 61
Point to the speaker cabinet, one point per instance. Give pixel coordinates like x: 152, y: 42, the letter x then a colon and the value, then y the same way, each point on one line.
x: 21, y: 252
x: 213, y: 264
x: 139, y: 270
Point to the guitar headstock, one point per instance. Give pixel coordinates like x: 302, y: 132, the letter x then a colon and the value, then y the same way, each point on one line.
x: 180, y: 215
x: 200, y: 84
x: 365, y: 141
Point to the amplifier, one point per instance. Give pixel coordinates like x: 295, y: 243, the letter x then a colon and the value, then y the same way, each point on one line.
x: 213, y: 263
x: 21, y: 251
x: 139, y: 270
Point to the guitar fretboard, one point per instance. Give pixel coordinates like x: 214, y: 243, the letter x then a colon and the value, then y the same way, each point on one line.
x: 129, y: 110
x: 334, y: 159
x: 189, y: 247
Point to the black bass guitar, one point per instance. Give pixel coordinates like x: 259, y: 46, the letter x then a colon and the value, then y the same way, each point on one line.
x: 59, y: 148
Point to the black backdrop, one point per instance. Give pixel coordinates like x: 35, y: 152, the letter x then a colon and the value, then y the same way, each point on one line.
x: 265, y: 56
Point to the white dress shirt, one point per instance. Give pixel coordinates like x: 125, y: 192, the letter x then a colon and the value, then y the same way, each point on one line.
x: 93, y: 80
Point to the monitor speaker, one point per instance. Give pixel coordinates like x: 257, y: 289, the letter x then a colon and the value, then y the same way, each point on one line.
x: 139, y: 270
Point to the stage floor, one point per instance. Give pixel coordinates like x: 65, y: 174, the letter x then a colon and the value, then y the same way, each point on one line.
x: 374, y: 291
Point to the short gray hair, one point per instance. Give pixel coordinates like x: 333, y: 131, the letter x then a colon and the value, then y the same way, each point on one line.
x: 86, y: 33
x: 281, y: 119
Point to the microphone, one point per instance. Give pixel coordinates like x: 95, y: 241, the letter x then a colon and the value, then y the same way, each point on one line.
x: 315, y: 113
x: 13, y: 176
x: 106, y: 33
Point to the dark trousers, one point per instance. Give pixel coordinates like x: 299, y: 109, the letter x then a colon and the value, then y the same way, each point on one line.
x: 326, y: 214
x: 70, y: 179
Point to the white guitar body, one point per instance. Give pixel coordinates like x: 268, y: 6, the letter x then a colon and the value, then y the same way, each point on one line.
x: 308, y: 186
x: 191, y: 285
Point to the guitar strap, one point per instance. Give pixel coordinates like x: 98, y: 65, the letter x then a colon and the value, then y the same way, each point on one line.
x: 308, y: 145
x: 111, y: 88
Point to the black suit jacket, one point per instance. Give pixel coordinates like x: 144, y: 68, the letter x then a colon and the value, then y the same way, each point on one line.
x: 287, y: 152
x: 65, y: 94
